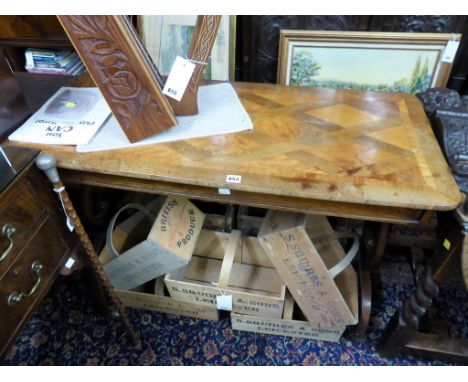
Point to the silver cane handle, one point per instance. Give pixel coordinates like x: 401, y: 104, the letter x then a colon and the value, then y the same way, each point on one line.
x: 46, y: 163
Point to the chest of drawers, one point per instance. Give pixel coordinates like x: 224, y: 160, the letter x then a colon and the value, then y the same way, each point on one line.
x: 34, y: 243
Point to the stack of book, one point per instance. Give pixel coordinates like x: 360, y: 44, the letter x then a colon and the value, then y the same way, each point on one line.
x: 59, y: 62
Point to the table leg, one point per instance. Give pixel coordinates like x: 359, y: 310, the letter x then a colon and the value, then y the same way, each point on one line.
x: 405, y: 322
x: 375, y: 242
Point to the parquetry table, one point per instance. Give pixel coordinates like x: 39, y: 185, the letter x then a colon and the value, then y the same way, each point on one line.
x: 363, y: 155
x: 352, y: 154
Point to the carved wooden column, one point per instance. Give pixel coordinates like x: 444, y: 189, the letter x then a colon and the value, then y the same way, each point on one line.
x: 202, y: 42
x: 123, y: 72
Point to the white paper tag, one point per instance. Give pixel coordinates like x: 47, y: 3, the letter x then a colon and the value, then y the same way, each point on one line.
x: 70, y: 263
x: 450, y: 51
x: 70, y: 225
x: 224, y: 191
x: 179, y: 77
x: 224, y: 302
x: 233, y: 178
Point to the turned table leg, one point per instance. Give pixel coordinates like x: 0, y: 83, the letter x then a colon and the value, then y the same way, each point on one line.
x: 405, y: 322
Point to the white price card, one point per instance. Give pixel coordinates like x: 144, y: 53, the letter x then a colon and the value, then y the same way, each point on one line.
x: 450, y: 51
x: 179, y: 77
x: 224, y: 191
x: 233, y: 179
x: 69, y: 263
x: 224, y: 302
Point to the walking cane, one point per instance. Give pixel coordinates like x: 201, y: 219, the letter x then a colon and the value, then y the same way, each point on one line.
x: 46, y: 163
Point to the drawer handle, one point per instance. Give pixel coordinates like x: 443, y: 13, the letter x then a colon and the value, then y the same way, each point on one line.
x: 16, y: 297
x: 8, y: 231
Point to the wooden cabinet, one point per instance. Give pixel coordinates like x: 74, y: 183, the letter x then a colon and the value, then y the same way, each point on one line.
x: 14, y: 109
x: 34, y: 244
x: 28, y: 31
x: 36, y: 30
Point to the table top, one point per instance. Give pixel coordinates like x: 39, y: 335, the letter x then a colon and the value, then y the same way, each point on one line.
x: 372, y: 148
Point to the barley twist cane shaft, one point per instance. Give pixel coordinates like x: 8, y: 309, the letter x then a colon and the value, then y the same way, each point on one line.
x: 46, y: 163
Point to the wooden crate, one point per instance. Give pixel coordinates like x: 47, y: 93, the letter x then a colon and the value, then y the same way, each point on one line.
x: 287, y: 326
x: 137, y: 298
x: 214, y: 244
x: 158, y: 302
x: 304, y: 264
x: 255, y: 289
x: 168, y: 246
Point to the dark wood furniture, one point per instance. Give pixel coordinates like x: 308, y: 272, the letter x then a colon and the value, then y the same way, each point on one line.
x: 20, y: 32
x: 414, y: 329
x: 13, y: 107
x: 410, y: 329
x: 34, y: 242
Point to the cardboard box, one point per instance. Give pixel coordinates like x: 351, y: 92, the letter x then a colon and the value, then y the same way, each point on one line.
x: 327, y: 302
x: 256, y: 290
x: 168, y: 246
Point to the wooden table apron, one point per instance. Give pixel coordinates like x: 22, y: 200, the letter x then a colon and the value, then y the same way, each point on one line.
x: 355, y: 154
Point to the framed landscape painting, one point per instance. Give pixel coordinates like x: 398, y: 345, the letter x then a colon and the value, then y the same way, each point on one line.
x: 394, y: 62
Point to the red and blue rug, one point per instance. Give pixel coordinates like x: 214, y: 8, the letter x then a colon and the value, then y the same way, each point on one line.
x: 68, y: 330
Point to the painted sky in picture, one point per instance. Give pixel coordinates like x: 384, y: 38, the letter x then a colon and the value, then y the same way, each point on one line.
x: 388, y: 69
x: 367, y: 66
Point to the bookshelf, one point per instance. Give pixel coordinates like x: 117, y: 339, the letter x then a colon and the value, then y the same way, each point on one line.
x: 17, y: 33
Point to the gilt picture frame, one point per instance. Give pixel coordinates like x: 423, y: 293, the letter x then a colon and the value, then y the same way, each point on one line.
x: 379, y: 61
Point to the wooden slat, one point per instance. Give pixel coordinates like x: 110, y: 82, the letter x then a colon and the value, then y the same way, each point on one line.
x: 316, y: 207
x: 439, y: 347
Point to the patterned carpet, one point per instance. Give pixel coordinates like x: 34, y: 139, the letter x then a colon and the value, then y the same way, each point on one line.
x: 67, y: 330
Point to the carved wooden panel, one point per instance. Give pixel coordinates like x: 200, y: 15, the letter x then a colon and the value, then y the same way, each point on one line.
x: 121, y: 68
x: 200, y: 49
x: 419, y: 23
